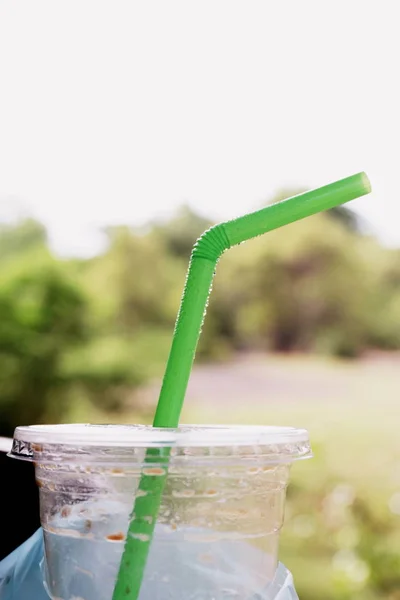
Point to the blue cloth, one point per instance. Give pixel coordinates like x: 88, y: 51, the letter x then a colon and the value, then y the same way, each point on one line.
x: 21, y: 576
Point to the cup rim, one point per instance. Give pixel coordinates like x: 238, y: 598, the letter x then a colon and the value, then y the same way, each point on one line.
x: 28, y: 440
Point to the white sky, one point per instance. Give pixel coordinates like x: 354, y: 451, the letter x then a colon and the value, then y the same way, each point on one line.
x: 117, y: 111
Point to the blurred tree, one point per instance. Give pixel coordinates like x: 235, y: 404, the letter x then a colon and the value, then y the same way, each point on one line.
x: 93, y: 328
x: 20, y: 237
x: 41, y: 314
x: 139, y: 279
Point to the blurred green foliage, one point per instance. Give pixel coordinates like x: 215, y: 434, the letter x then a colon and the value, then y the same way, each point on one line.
x: 87, y: 332
x: 341, y: 540
x: 72, y: 331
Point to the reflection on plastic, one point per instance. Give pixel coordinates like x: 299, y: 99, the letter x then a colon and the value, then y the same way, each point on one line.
x: 21, y: 578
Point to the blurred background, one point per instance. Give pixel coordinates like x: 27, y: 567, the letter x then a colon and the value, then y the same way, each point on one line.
x: 126, y: 131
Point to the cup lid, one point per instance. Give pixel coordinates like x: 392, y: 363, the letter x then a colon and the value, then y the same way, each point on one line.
x: 28, y: 441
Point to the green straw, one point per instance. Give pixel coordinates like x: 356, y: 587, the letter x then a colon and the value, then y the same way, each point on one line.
x: 206, y: 253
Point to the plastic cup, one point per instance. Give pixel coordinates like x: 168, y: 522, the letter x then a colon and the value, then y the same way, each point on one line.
x: 217, y: 530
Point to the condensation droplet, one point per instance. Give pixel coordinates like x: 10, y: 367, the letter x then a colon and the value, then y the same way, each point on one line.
x: 154, y: 471
x: 116, y: 537
x: 253, y: 470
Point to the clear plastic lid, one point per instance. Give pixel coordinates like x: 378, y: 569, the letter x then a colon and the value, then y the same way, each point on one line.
x: 32, y: 441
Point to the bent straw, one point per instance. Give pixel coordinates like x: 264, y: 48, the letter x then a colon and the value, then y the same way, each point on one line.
x: 205, y: 255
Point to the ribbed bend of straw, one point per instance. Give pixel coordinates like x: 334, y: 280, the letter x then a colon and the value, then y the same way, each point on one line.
x: 212, y: 243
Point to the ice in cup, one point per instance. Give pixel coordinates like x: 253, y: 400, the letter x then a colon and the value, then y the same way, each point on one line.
x: 218, y: 524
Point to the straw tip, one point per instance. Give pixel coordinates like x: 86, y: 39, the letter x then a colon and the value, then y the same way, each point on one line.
x: 365, y: 182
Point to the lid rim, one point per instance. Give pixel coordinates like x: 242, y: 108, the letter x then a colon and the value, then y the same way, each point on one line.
x: 39, y: 439
x: 142, y: 435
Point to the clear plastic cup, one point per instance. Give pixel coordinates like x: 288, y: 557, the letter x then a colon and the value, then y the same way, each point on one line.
x: 218, y: 527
